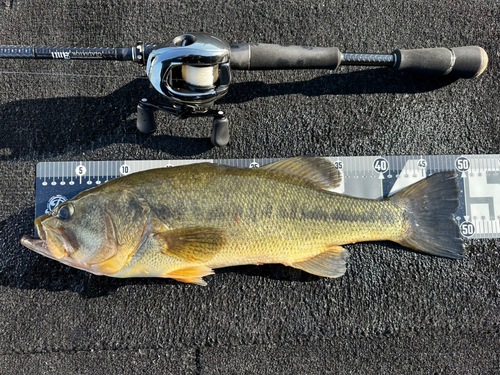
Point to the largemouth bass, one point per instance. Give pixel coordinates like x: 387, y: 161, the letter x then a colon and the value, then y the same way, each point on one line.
x: 183, y: 222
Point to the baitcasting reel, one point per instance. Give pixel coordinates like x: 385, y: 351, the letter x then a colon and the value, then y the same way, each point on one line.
x: 194, y: 70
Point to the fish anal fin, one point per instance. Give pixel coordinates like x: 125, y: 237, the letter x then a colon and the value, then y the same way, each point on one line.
x: 319, y: 172
x: 330, y: 263
x: 192, y: 244
x: 192, y: 275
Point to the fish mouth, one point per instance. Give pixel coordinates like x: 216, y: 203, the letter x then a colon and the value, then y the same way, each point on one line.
x: 41, y: 244
x: 38, y: 245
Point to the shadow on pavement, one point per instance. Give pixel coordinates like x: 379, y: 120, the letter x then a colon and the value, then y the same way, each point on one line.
x: 44, y: 126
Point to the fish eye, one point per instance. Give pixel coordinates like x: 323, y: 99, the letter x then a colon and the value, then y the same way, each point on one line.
x: 65, y: 212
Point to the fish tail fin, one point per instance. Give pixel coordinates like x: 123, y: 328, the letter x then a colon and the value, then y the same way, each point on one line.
x: 429, y: 207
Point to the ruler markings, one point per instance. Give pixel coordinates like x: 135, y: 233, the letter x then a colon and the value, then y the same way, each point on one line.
x: 358, y: 171
x: 423, y: 171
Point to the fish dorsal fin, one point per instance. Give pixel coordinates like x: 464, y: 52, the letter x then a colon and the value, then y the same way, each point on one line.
x: 330, y: 263
x: 197, y: 244
x: 193, y: 275
x: 319, y: 172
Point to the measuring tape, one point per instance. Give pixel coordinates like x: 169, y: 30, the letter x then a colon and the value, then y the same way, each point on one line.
x: 371, y: 177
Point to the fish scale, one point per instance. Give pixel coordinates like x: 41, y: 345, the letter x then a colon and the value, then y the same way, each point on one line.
x: 324, y: 219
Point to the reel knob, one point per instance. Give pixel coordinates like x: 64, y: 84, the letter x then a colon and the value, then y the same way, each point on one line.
x: 220, y: 132
x: 145, y: 118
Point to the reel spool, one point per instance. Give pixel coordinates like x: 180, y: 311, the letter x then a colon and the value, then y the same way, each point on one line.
x: 192, y: 72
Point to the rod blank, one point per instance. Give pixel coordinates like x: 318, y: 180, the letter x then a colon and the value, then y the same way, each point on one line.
x: 462, y: 62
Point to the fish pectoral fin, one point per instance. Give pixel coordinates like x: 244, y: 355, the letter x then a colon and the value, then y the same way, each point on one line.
x: 192, y: 244
x: 319, y: 172
x: 330, y: 263
x: 193, y: 275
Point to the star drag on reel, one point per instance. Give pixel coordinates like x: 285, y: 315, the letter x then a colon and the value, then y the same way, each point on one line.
x: 193, y: 71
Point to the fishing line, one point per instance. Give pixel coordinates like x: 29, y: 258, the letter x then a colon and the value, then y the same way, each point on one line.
x: 71, y: 74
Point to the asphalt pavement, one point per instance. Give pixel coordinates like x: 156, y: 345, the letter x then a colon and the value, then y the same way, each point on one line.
x: 394, y: 311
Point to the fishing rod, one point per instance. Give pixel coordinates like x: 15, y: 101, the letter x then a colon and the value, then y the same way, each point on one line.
x: 193, y: 71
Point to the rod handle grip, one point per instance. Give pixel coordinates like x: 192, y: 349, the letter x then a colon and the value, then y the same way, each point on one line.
x: 461, y: 62
x: 250, y: 56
